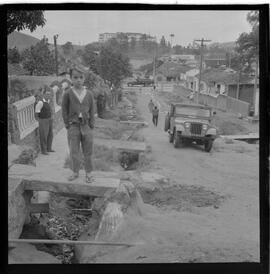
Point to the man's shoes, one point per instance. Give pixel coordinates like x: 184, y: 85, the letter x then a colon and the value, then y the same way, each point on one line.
x: 45, y: 153
x: 51, y: 150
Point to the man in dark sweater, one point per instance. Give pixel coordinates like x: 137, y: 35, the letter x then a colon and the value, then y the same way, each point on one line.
x: 155, y: 113
x: 78, y: 115
x: 43, y: 115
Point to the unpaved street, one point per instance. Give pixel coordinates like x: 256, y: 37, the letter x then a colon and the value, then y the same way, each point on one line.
x: 228, y: 232
x: 207, y: 211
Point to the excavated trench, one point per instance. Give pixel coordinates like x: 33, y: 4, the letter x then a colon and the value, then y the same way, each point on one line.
x: 181, y: 197
x: 62, y: 222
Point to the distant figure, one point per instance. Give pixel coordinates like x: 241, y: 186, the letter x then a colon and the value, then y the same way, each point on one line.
x: 155, y: 113
x: 151, y: 106
x: 191, y: 96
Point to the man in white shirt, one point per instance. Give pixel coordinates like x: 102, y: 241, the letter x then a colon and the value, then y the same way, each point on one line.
x: 43, y: 115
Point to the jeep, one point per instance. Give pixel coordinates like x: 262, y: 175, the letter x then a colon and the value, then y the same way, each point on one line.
x: 141, y: 82
x: 188, y: 123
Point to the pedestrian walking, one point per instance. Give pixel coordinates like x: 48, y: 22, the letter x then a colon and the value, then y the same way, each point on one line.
x: 43, y: 114
x: 78, y: 115
x: 155, y: 113
x: 151, y: 106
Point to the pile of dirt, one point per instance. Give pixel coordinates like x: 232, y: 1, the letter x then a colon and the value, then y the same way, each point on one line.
x: 229, y: 145
x: 181, y: 197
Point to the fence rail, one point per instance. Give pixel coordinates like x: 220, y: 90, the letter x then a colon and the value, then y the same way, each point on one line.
x: 25, y: 115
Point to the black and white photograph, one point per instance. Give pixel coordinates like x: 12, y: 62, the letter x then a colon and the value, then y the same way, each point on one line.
x: 133, y: 135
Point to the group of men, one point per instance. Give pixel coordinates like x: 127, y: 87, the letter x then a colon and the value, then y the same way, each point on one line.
x: 78, y: 116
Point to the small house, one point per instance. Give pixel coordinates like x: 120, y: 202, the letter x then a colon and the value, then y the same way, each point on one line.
x: 170, y: 71
x: 226, y: 81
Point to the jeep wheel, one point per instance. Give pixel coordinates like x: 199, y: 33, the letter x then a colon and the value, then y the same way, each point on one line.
x: 208, y: 145
x: 176, y: 139
x: 171, y: 137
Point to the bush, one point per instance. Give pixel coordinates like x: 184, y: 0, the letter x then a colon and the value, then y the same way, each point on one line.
x: 17, y: 90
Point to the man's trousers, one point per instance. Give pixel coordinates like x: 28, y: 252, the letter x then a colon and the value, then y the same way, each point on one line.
x: 46, y: 134
x: 80, y: 135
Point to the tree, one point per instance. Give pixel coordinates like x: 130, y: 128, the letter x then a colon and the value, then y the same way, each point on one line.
x: 133, y: 43
x: 14, y: 56
x: 113, y: 65
x: 39, y: 59
x: 67, y: 48
x: 247, y: 49
x: 24, y: 19
x: 247, y: 45
x: 89, y: 57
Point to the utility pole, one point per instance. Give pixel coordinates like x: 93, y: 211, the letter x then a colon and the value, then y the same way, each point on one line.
x: 201, y: 59
x: 154, y: 66
x: 56, y: 54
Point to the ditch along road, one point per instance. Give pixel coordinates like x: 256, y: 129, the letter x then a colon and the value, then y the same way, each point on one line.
x: 207, y: 232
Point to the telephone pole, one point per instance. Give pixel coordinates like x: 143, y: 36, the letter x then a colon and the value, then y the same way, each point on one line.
x: 56, y: 54
x: 201, y: 59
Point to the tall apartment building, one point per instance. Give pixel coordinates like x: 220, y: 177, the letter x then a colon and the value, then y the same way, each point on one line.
x: 103, y: 37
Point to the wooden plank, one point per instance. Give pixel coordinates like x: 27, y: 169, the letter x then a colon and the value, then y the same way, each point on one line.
x: 37, y: 179
x: 39, y: 208
x: 70, y: 242
x: 78, y: 188
x: 121, y: 145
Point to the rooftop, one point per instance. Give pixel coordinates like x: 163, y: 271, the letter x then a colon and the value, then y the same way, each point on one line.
x: 226, y: 76
x: 172, y: 69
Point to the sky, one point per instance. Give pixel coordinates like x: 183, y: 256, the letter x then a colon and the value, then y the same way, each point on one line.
x: 83, y: 27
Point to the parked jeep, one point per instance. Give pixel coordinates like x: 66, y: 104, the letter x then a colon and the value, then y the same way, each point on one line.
x: 188, y: 123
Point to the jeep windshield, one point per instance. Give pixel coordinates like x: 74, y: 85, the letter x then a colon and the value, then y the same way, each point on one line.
x: 193, y: 112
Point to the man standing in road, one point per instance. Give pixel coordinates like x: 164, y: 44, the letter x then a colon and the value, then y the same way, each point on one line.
x: 78, y: 115
x: 43, y: 114
x: 151, y: 105
x: 155, y: 113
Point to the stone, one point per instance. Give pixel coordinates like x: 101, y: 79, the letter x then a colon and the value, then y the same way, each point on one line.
x: 149, y: 177
x: 17, y: 208
x: 28, y: 254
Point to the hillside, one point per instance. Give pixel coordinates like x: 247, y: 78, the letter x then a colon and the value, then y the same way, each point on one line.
x: 21, y: 41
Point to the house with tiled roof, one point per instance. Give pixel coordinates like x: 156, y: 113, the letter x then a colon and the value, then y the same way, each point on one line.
x: 170, y: 71
x: 225, y: 81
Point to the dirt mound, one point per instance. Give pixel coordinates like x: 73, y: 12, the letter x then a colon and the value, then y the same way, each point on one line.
x: 181, y: 197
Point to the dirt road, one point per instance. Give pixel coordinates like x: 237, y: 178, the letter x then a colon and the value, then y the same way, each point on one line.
x: 208, y: 210
x: 229, y: 232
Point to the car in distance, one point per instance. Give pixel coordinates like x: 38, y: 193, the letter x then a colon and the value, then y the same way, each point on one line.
x: 141, y: 82
x: 188, y: 123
